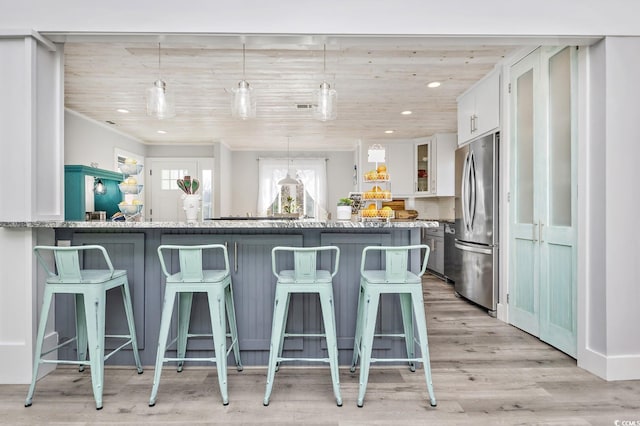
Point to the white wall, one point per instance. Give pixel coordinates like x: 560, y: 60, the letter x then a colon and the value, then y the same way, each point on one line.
x: 462, y: 17
x: 88, y: 141
x: 245, y: 177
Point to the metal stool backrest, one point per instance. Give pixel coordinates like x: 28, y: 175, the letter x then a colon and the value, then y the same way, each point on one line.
x: 191, y: 260
x: 305, y: 262
x: 396, y: 261
x: 67, y: 261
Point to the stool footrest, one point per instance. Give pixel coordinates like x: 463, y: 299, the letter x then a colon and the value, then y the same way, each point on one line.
x: 396, y: 359
x: 65, y: 343
x: 189, y: 359
x: 390, y: 335
x: 280, y: 359
x: 64, y: 361
x: 128, y: 342
x: 304, y: 335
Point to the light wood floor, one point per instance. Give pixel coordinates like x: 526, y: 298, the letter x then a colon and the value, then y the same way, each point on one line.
x: 484, y: 373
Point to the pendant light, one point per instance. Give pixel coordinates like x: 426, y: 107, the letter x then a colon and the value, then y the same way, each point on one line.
x: 326, y: 98
x: 159, y: 103
x: 244, y: 103
x: 288, y: 180
x: 99, y: 187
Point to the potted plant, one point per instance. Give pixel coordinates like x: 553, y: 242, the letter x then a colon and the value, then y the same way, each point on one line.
x: 344, y: 209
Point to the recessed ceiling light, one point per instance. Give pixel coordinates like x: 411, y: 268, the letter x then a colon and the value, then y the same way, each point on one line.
x: 388, y: 131
x: 406, y: 112
x: 434, y: 84
x: 123, y: 110
x: 162, y: 132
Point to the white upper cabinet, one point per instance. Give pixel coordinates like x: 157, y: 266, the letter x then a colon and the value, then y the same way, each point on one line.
x: 479, y: 108
x: 434, y: 171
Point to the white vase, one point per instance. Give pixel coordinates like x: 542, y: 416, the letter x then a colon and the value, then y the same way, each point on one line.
x: 191, y: 206
x: 343, y: 212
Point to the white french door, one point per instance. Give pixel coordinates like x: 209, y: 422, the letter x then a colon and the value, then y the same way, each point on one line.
x: 542, y: 281
x: 165, y: 204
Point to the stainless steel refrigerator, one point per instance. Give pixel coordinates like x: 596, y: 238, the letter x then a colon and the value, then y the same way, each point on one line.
x: 476, y: 212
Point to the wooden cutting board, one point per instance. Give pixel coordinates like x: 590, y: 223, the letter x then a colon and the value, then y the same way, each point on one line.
x: 395, y: 204
x: 406, y: 214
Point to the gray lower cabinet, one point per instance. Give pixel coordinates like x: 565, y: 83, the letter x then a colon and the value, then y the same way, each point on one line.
x: 434, y: 238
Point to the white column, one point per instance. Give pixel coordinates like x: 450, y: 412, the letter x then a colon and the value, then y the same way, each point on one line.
x: 31, y: 172
x: 609, y: 268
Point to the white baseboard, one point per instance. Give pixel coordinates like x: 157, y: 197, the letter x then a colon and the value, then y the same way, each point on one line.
x: 610, y: 368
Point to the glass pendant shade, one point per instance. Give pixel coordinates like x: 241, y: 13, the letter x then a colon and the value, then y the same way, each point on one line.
x: 159, y: 103
x: 288, y: 180
x: 326, y: 103
x: 100, y: 188
x: 244, y: 103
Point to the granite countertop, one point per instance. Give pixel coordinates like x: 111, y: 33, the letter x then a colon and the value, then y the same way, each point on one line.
x: 213, y: 224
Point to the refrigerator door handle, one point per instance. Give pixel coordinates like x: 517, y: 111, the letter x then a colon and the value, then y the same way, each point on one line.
x: 474, y: 249
x: 473, y: 183
x: 465, y: 189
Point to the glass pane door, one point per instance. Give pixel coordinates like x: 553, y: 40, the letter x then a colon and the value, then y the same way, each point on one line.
x: 422, y: 167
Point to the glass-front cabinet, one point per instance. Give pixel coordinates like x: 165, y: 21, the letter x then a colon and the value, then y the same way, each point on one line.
x: 434, y: 159
x: 422, y: 171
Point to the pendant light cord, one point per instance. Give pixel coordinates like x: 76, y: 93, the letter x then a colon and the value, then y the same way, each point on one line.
x: 288, y: 156
x: 159, y: 67
x: 324, y: 60
x: 243, y: 62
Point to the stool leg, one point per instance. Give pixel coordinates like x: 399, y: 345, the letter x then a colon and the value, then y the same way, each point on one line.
x: 277, y: 329
x: 284, y: 329
x: 418, y: 307
x: 233, y: 328
x: 128, y: 310
x: 94, y: 305
x: 44, y: 314
x: 328, y: 316
x: 185, y: 301
x: 368, y: 331
x: 218, y: 327
x: 358, y: 335
x: 165, y: 322
x: 407, y: 323
x: 81, y: 330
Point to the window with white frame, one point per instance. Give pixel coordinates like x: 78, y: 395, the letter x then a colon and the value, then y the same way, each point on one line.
x: 307, y: 198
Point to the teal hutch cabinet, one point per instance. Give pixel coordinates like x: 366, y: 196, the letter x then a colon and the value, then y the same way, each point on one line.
x: 74, y: 191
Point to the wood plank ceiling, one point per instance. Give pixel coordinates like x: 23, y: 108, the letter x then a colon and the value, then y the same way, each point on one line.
x: 376, y: 79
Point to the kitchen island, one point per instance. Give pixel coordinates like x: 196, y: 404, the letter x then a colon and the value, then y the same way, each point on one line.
x: 133, y: 246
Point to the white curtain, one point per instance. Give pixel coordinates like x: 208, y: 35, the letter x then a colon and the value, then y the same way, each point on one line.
x: 311, y: 172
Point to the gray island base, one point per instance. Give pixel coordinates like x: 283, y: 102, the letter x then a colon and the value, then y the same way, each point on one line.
x: 132, y: 246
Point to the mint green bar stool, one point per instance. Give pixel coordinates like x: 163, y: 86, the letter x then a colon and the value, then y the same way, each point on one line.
x: 394, y: 279
x: 304, y: 278
x: 90, y: 289
x: 191, y: 278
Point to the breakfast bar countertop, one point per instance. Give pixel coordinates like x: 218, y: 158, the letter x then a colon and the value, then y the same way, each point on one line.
x: 213, y: 224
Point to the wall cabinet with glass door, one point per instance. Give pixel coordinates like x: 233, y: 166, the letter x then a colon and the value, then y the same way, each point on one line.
x: 434, y: 169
